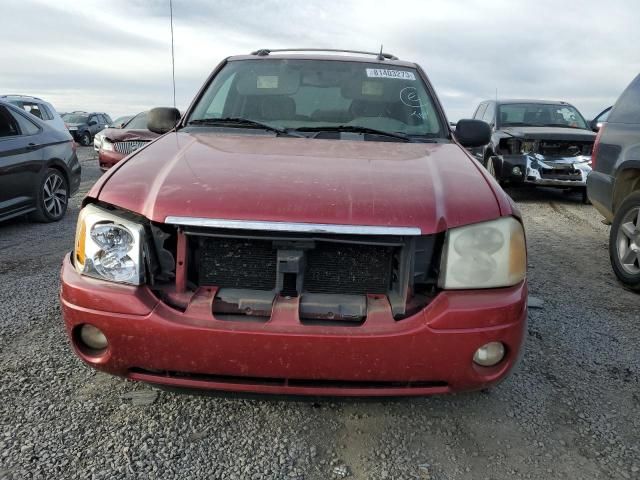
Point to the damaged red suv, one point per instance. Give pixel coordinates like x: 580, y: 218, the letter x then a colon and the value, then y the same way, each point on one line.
x: 310, y: 226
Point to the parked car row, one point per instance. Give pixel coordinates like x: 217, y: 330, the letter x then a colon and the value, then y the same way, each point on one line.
x: 317, y: 209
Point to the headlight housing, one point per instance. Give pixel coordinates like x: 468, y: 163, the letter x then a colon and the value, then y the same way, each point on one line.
x: 109, y: 247
x: 106, y: 145
x: 484, y: 255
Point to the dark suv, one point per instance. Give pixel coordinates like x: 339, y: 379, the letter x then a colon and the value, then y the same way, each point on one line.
x: 83, y: 126
x: 614, y: 185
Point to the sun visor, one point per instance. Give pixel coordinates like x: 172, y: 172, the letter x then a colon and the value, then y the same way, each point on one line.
x: 269, y: 81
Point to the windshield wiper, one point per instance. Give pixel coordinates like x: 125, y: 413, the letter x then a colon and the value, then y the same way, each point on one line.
x: 355, y: 129
x: 517, y: 124
x: 243, y: 122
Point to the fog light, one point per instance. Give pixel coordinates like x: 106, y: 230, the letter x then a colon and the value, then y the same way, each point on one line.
x: 490, y: 354
x: 517, y: 171
x: 93, y: 337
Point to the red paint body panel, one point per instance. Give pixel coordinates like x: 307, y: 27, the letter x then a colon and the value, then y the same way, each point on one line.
x: 258, y: 177
x: 107, y: 159
x: 434, y: 345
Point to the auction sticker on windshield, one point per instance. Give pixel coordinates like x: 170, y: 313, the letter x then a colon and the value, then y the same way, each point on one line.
x: 386, y: 73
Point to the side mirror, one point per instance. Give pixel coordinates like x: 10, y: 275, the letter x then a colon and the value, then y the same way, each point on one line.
x: 92, y: 123
x: 162, y: 119
x: 473, y: 133
x: 595, y: 125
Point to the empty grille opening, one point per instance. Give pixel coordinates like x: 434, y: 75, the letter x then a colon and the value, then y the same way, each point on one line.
x: 237, y: 263
x: 289, y: 285
x: 353, y: 269
x: 294, y: 382
x: 560, y: 174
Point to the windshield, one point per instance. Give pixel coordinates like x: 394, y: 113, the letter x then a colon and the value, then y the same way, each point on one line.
x: 75, y: 118
x: 121, y: 120
x: 299, y: 94
x: 540, y: 114
x: 139, y: 122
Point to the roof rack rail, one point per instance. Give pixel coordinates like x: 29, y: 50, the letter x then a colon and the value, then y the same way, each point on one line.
x: 263, y: 52
x: 18, y: 95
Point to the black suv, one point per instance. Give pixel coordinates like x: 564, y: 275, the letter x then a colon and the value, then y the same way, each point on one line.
x: 536, y: 142
x: 614, y: 185
x: 83, y: 126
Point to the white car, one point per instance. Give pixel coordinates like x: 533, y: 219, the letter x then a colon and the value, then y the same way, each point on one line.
x: 37, y: 107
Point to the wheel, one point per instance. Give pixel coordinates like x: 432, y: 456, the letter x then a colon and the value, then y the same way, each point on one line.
x: 53, y: 197
x: 624, y: 242
x: 85, y: 139
x: 491, y: 168
x: 584, y: 197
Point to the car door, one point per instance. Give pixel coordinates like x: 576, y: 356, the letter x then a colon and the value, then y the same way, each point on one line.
x: 21, y: 156
x: 94, y: 124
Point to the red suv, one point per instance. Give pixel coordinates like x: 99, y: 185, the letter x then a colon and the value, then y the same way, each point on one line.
x: 310, y: 226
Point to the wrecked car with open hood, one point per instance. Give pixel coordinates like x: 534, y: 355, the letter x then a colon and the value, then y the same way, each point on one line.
x: 536, y: 142
x: 310, y: 226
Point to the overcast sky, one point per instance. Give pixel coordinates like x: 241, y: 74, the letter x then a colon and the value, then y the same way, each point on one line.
x: 115, y: 55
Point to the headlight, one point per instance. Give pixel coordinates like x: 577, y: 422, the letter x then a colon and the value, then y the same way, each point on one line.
x: 527, y: 147
x: 109, y: 247
x: 106, y: 145
x: 485, y: 255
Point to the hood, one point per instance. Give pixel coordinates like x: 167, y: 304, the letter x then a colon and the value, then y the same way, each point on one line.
x: 74, y: 124
x: 121, y: 134
x: 256, y: 177
x: 550, y: 133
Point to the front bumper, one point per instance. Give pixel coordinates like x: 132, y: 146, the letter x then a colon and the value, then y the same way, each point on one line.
x: 107, y: 159
x: 429, y: 352
x: 534, y: 169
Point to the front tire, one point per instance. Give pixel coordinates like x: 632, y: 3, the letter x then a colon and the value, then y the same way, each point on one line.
x: 85, y: 139
x: 584, y: 197
x: 624, y: 242
x: 52, y: 198
x: 491, y: 168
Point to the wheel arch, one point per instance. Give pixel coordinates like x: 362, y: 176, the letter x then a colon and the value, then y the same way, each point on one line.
x: 59, y: 165
x: 627, y: 181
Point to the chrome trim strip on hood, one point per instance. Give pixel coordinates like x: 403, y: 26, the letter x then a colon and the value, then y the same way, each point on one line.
x: 291, y: 226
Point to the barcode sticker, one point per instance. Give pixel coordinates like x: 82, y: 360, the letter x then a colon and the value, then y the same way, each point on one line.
x: 386, y: 73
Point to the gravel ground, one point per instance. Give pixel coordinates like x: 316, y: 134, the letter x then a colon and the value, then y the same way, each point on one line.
x: 571, y: 410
